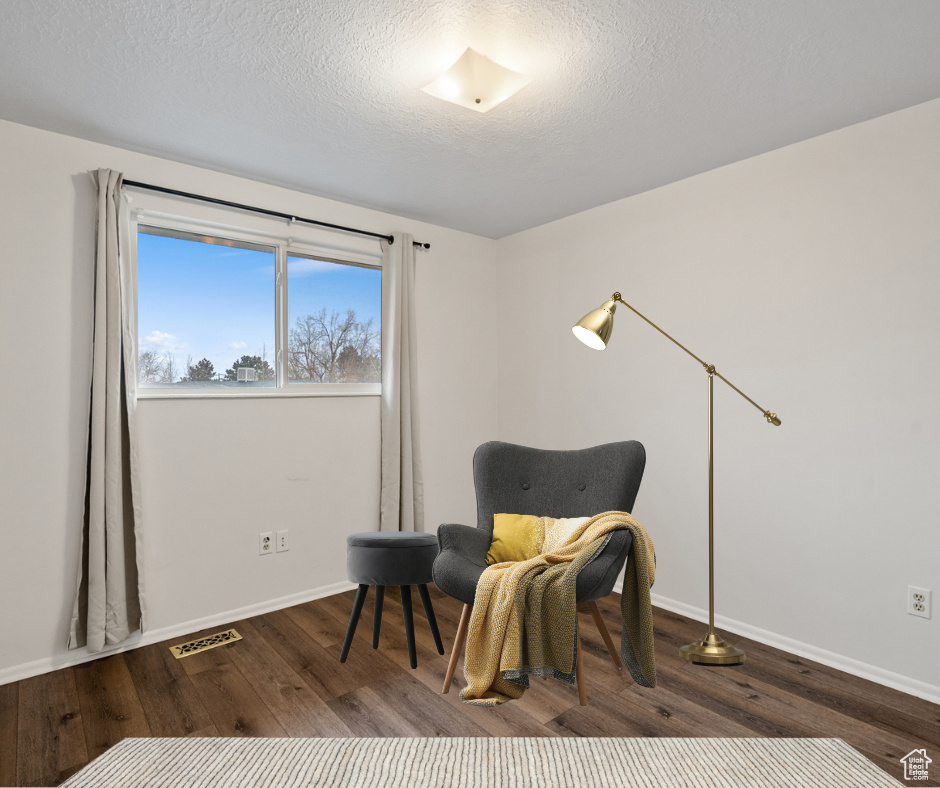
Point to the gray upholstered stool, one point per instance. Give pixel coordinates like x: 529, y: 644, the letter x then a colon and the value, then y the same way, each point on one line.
x: 391, y: 559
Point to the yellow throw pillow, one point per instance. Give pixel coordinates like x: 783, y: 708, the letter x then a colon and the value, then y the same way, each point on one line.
x: 516, y: 537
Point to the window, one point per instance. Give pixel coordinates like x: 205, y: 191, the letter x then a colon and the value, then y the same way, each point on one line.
x: 333, y: 322
x: 205, y: 311
x: 233, y: 312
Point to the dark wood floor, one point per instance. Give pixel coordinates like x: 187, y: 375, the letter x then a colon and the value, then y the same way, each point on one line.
x: 284, y: 679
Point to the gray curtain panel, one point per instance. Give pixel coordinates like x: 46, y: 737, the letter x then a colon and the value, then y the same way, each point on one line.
x: 402, y: 503
x: 108, y: 602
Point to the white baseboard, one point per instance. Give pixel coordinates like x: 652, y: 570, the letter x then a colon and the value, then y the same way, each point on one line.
x: 863, y: 670
x: 80, y: 655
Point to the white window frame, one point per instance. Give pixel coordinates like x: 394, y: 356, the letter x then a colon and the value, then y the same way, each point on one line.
x: 286, y: 237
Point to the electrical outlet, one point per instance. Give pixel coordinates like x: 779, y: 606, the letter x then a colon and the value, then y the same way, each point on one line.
x: 266, y: 543
x: 918, y: 601
x: 283, y: 544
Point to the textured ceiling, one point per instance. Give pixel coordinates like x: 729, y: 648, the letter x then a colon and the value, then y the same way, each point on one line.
x: 324, y: 96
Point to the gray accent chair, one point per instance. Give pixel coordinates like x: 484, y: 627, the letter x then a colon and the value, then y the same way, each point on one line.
x: 516, y: 479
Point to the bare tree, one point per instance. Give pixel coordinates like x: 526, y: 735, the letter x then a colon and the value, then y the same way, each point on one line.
x: 170, y: 372
x: 334, y: 349
x: 149, y: 367
x: 154, y: 368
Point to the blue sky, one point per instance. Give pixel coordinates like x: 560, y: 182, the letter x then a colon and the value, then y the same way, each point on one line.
x: 218, y: 302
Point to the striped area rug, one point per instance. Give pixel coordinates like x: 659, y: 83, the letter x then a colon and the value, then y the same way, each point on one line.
x: 481, y: 763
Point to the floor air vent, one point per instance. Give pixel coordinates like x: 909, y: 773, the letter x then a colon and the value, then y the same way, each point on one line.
x: 204, y: 644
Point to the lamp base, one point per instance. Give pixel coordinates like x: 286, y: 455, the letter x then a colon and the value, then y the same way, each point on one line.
x: 712, y: 650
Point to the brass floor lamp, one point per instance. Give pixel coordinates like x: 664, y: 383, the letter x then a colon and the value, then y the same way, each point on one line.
x: 594, y: 330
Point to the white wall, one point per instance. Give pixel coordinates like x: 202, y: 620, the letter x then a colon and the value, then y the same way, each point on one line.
x: 214, y: 472
x: 809, y: 276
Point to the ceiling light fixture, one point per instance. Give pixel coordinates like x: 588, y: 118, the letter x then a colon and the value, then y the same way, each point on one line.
x: 476, y: 82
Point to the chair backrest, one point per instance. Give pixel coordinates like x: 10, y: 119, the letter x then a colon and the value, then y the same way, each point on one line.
x: 518, y: 480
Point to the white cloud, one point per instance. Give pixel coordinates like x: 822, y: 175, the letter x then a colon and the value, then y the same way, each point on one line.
x: 237, y: 345
x: 302, y: 266
x: 162, y: 341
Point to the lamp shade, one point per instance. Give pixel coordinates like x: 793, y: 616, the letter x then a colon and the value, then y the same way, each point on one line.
x: 595, y: 328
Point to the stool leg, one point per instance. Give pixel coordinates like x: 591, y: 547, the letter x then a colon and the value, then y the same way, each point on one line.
x: 409, y: 624
x: 377, y: 619
x: 353, y: 620
x: 429, y: 612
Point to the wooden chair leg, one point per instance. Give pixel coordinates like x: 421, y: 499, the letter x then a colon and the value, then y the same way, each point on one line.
x: 458, y: 647
x: 602, y: 627
x: 377, y: 619
x: 432, y: 619
x: 409, y: 625
x: 579, y: 675
x: 353, y: 620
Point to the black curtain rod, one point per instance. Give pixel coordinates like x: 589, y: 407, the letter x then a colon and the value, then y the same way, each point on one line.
x: 265, y: 211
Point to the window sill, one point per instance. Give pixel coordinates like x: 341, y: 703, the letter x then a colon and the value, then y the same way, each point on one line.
x: 257, y: 393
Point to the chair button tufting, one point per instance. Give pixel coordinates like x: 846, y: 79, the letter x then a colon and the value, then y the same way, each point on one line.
x: 582, y: 487
x: 525, y: 485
